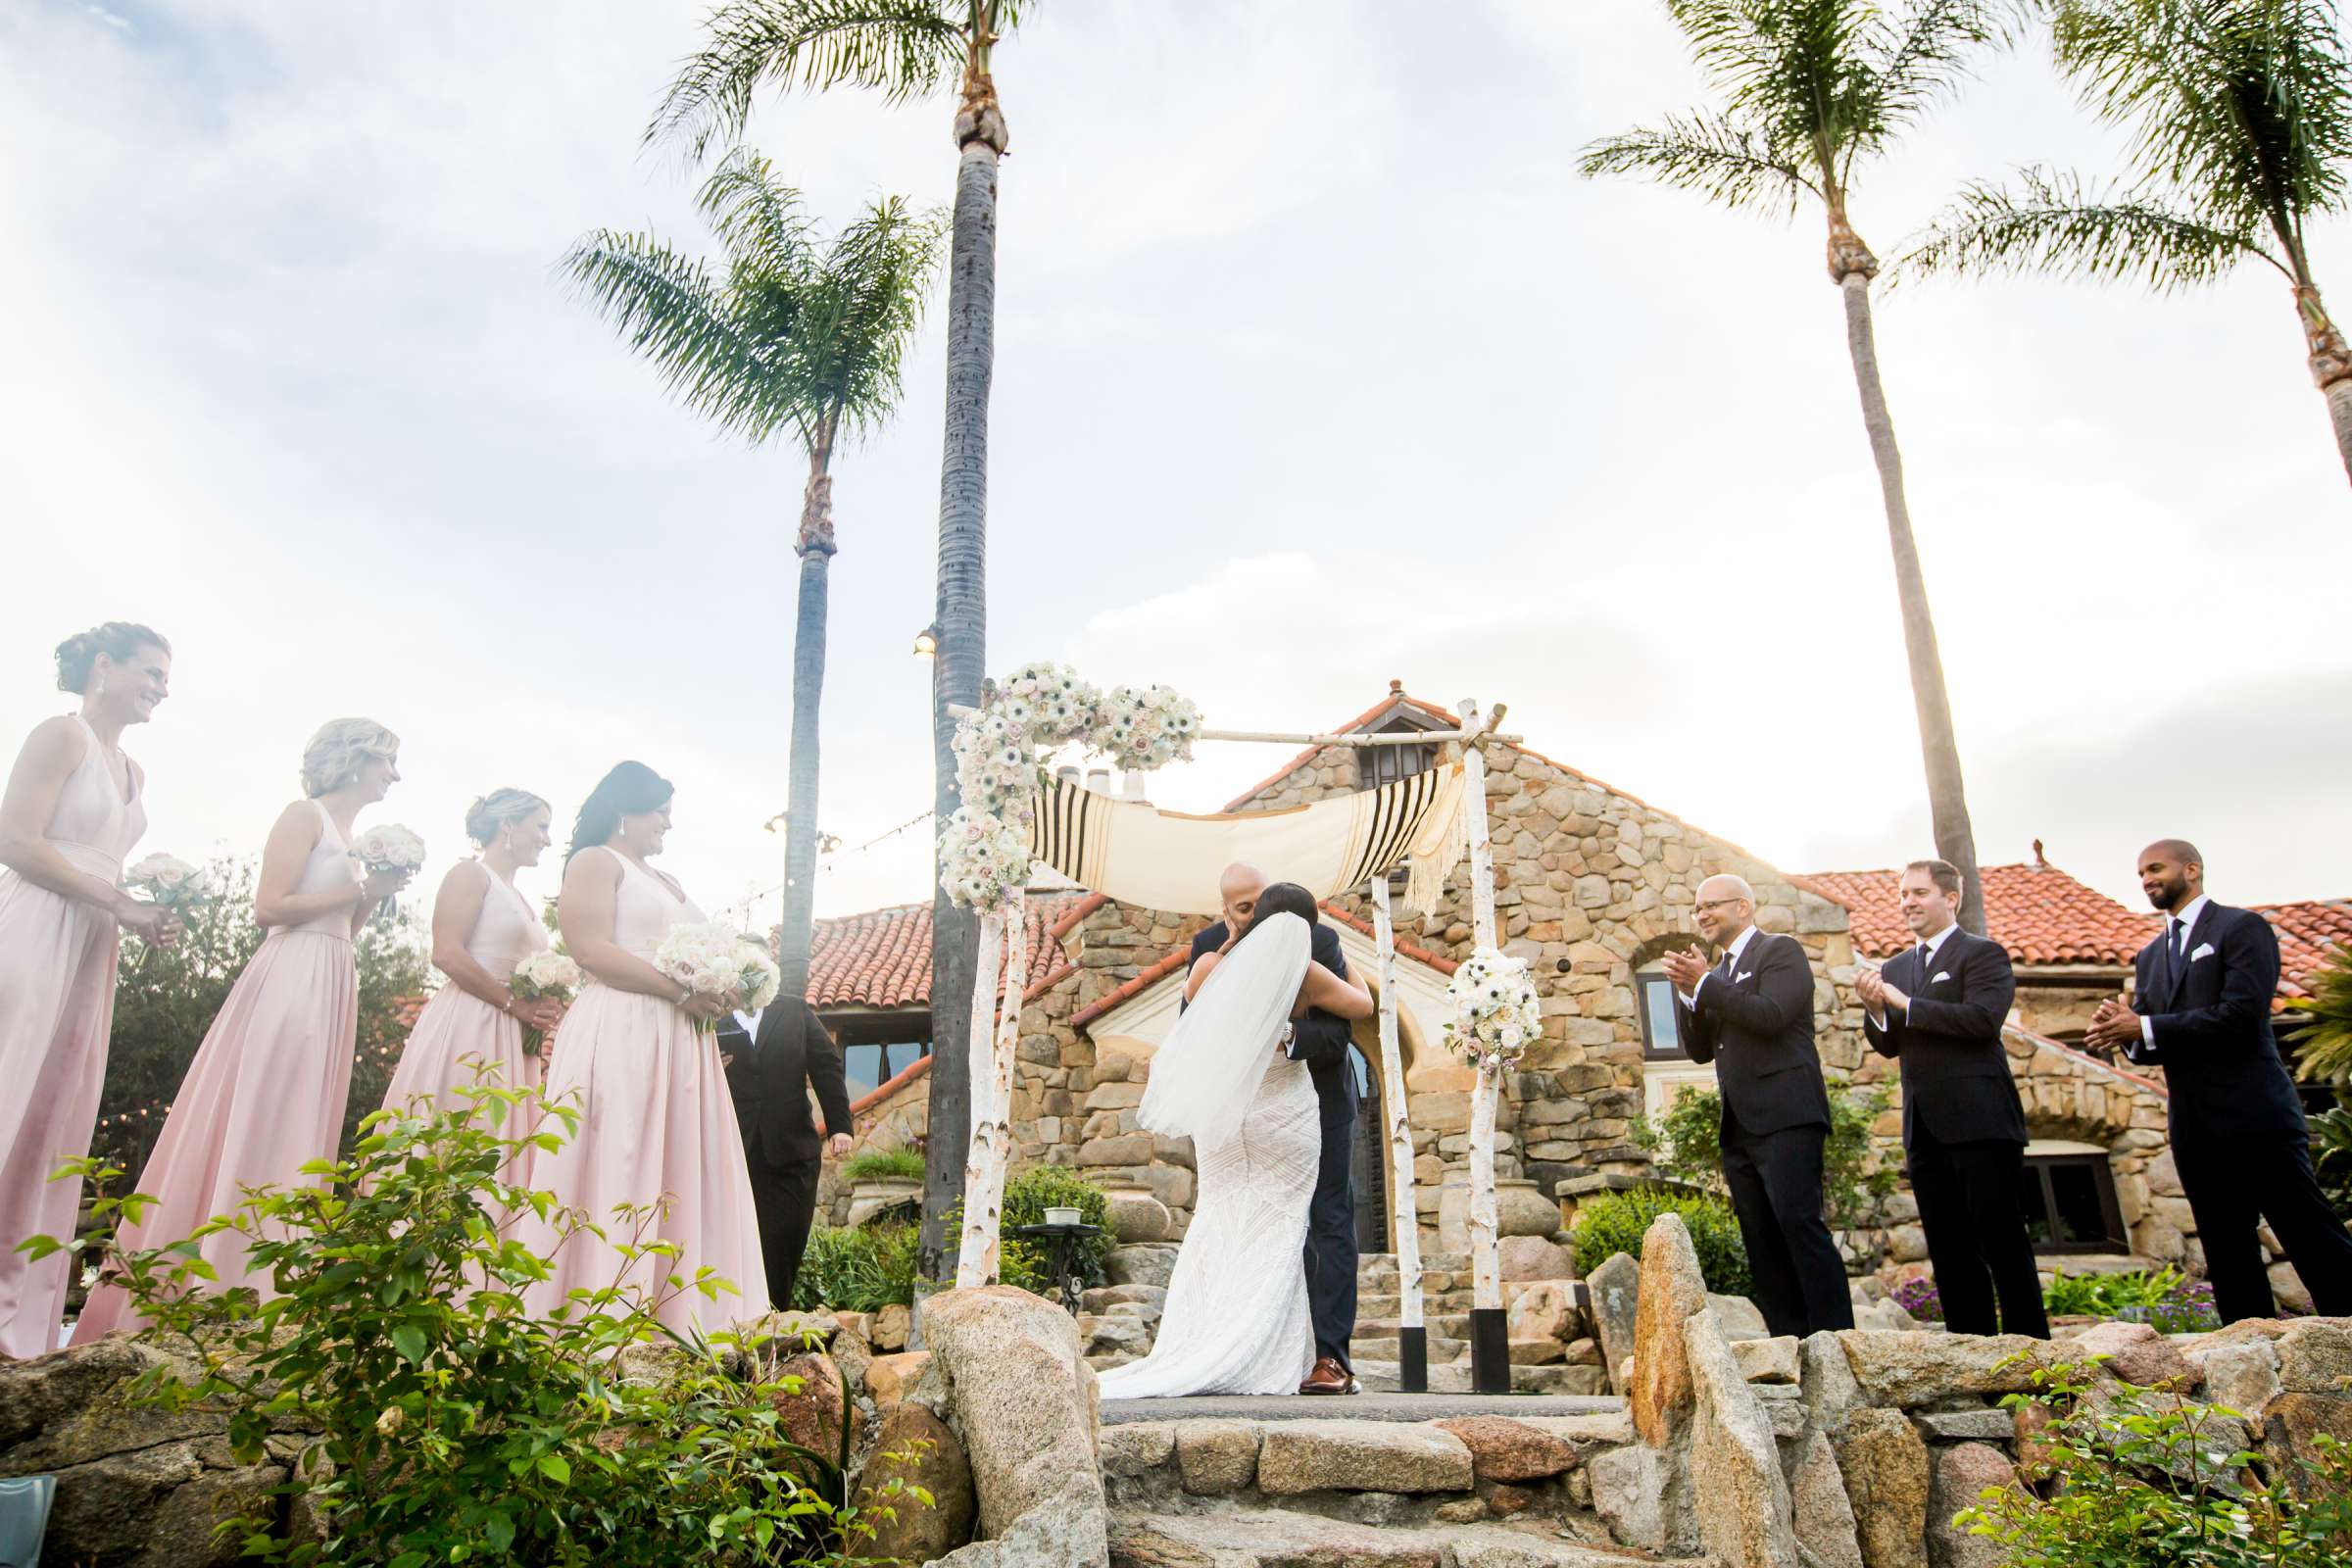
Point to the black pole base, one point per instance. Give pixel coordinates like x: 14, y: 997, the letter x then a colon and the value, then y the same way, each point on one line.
x: 1412, y: 1360
x: 1489, y: 1351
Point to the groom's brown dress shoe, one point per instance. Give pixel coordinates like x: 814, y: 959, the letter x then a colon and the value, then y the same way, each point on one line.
x: 1329, y: 1377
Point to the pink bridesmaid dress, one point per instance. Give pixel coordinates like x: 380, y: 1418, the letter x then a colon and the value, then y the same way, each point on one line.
x: 57, y: 1005
x: 458, y: 1035
x: 656, y: 1120
x: 265, y: 1095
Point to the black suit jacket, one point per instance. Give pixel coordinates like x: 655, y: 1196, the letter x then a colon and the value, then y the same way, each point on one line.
x: 769, y: 1079
x: 1956, y: 1079
x: 1320, y: 1039
x: 2211, y: 1018
x: 1756, y: 1025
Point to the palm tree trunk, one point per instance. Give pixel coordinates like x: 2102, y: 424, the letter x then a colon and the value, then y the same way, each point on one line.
x: 960, y: 625
x: 815, y: 549
x: 1851, y: 267
x: 2331, y: 367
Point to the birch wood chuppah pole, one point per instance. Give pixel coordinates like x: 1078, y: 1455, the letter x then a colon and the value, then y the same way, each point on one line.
x: 1490, y: 1331
x: 1404, y: 1213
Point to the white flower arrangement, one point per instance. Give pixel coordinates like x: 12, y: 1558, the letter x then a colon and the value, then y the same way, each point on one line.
x: 712, y: 959
x: 170, y: 881
x: 548, y: 974
x: 390, y: 848
x: 1496, y: 1014
x: 999, y: 756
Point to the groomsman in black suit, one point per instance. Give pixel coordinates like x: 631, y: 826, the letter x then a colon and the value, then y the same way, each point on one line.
x: 773, y: 1058
x: 1321, y: 1041
x: 1752, y: 1015
x: 2201, y: 1010
x: 1937, y: 1009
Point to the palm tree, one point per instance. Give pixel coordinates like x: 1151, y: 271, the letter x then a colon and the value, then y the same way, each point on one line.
x: 905, y: 49
x: 797, y: 336
x: 2242, y: 118
x: 1811, y: 89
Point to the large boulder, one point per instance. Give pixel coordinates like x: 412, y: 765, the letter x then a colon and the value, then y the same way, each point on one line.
x: 1546, y: 1310
x: 1629, y: 1492
x: 1217, y: 1457
x: 71, y: 1407
x: 1743, y: 1509
x: 1741, y: 1318
x: 811, y: 1406
x: 916, y: 1449
x: 2314, y: 1357
x: 2136, y: 1354
x: 1962, y: 1474
x: 1886, y: 1469
x: 2240, y: 1377
x: 1823, y: 1514
x: 1503, y: 1449
x: 1296, y: 1456
x: 1908, y: 1370
x: 1145, y: 1263
x: 1615, y: 1287
x: 1024, y: 1404
x: 1671, y: 1289
x: 2292, y: 1424
x: 1534, y: 1257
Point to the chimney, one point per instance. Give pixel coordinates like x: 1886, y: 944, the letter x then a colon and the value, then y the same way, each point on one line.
x: 2039, y: 864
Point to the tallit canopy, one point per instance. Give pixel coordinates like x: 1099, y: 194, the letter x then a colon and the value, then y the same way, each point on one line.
x: 1155, y: 859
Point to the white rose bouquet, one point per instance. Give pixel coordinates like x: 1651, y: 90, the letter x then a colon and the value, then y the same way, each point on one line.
x: 170, y: 881
x: 714, y: 960
x: 548, y: 974
x: 1496, y: 1014
x: 390, y: 848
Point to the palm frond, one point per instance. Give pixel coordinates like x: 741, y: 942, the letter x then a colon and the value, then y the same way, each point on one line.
x: 1927, y: 53
x: 667, y: 308
x: 2324, y: 1051
x: 862, y: 313
x: 756, y: 216
x: 2243, y: 107
x: 2057, y: 223
x: 901, y: 48
x: 1722, y: 161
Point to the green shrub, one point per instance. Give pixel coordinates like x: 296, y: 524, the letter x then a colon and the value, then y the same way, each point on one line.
x: 883, y: 1165
x: 2145, y: 1479
x: 1686, y: 1145
x: 1615, y: 1222
x: 1027, y: 1196
x: 861, y: 1269
x: 2167, y: 1298
x: 441, y: 1419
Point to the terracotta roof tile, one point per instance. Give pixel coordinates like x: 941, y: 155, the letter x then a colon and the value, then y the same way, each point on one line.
x: 882, y: 958
x: 2039, y: 913
x: 1167, y: 965
x: 2309, y: 933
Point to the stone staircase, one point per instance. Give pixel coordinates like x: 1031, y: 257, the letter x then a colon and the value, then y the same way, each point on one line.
x: 1473, y: 1491
x: 1446, y: 1297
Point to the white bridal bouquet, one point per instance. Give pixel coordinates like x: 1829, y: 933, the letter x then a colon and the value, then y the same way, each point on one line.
x: 547, y: 973
x: 715, y: 959
x: 1496, y: 1015
x: 390, y: 848
x: 170, y: 881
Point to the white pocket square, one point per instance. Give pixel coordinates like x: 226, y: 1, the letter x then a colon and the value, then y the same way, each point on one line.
x: 1748, y: 974
x: 2204, y: 951
x: 1941, y: 977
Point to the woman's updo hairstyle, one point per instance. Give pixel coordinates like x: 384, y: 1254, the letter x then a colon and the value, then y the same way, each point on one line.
x: 117, y: 639
x: 340, y: 748
x: 1286, y: 898
x: 629, y: 790
x: 494, y: 811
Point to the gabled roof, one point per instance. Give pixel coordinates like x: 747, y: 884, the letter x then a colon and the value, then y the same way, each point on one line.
x: 882, y: 958
x: 2039, y: 913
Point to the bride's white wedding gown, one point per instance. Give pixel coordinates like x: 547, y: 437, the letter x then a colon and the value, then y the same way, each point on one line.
x: 1236, y: 1319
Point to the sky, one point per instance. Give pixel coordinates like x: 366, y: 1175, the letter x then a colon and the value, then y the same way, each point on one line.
x: 1318, y: 366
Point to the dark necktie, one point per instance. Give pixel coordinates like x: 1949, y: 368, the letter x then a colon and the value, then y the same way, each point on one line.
x: 1924, y: 954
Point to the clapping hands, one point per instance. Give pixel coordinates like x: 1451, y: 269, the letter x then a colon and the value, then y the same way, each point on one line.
x: 2114, y: 1027
x: 1686, y: 967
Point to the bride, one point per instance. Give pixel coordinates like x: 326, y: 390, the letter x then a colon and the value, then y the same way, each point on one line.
x: 1236, y: 1319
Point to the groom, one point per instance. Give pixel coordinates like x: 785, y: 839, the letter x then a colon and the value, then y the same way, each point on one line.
x: 1320, y: 1040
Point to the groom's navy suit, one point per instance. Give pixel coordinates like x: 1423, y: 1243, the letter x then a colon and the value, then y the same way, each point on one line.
x: 1320, y: 1040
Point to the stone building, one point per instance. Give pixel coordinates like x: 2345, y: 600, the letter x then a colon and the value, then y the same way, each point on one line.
x: 1594, y: 886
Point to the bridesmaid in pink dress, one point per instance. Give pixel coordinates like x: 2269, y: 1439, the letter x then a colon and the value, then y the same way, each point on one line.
x: 656, y: 1119
x: 74, y: 807
x: 266, y: 1091
x: 482, y: 928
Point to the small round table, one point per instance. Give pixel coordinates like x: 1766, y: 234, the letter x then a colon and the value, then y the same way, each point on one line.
x: 1062, y: 1245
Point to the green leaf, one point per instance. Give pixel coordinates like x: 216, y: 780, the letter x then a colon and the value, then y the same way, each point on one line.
x: 552, y: 1466
x: 499, y: 1530
x: 409, y: 1340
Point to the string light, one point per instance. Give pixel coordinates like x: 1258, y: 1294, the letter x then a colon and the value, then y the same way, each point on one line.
x: 825, y: 857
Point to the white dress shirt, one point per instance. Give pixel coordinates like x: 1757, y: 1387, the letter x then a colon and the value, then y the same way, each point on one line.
x: 1927, y: 967
x: 1737, y: 947
x: 2177, y: 927
x: 750, y: 1022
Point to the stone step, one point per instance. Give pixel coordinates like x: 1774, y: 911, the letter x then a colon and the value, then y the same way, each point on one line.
x: 1378, y: 1374
x: 1388, y: 1304
x: 1278, y: 1538
x: 1384, y: 1348
x: 1376, y: 1265
x: 1450, y: 1325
